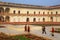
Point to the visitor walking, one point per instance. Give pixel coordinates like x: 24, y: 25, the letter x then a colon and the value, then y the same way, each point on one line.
x: 43, y: 30
x: 52, y: 31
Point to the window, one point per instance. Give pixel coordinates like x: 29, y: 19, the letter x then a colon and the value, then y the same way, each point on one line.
x: 18, y: 12
x: 7, y: 18
x: 51, y: 18
x: 56, y: 12
x: 34, y: 19
x: 48, y: 12
x: 39, y: 12
x: 34, y: 12
x: 14, y: 11
x: 7, y: 10
x: 51, y: 12
x: 27, y: 20
x: 43, y: 12
x: 1, y: 10
x: 1, y: 19
x: 43, y: 19
x: 27, y: 12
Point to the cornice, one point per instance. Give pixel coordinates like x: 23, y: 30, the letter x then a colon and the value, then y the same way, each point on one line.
x: 29, y: 6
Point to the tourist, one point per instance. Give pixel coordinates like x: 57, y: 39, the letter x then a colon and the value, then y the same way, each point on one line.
x: 43, y: 30
x: 25, y: 28
x: 52, y: 31
x: 28, y: 28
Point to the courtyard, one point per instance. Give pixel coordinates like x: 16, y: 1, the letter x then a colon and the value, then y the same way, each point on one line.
x: 10, y: 29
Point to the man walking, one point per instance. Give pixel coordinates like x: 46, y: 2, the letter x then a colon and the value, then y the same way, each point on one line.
x: 43, y: 30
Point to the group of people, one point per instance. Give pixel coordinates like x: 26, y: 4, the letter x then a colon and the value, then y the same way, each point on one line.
x: 27, y: 29
x: 44, y: 30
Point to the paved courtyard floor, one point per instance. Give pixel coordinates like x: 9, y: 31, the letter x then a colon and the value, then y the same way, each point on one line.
x: 37, y: 30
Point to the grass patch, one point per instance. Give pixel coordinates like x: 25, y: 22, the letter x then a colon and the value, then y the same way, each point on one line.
x: 21, y: 38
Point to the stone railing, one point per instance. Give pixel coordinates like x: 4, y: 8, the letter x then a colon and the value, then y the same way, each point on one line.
x: 21, y: 14
x: 34, y: 23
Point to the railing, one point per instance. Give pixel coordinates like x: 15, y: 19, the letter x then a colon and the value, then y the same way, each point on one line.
x: 40, y: 23
x: 21, y: 14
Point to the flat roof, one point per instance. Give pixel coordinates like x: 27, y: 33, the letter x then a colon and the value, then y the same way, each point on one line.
x: 29, y: 6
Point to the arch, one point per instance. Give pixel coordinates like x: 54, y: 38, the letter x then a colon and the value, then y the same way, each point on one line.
x: 43, y: 12
x: 27, y: 20
x: 27, y: 12
x: 7, y: 18
x: 39, y: 12
x: 18, y: 12
x: 1, y: 10
x: 34, y: 12
x: 14, y: 11
x: 56, y: 12
x: 51, y: 12
x: 43, y: 19
x: 51, y: 19
x: 7, y: 10
x: 48, y: 12
x: 34, y: 19
x: 1, y: 19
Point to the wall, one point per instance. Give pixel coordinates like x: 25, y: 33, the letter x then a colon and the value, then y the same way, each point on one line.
x: 31, y: 11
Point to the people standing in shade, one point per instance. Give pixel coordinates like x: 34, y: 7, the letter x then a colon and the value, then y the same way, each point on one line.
x: 28, y: 28
x: 52, y: 31
x: 25, y: 28
x: 43, y: 30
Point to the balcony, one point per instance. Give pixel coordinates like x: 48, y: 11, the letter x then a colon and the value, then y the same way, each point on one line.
x: 21, y: 14
x: 33, y: 23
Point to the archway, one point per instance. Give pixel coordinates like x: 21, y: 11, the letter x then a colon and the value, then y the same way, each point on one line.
x: 1, y: 19
x: 43, y: 19
x: 7, y: 10
x: 1, y: 10
x: 27, y: 20
x: 34, y: 19
x: 51, y: 19
x: 7, y: 19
